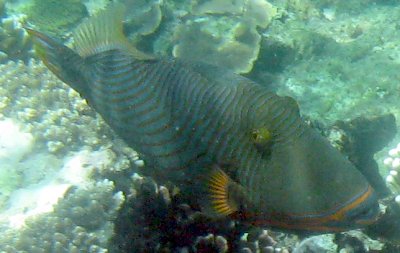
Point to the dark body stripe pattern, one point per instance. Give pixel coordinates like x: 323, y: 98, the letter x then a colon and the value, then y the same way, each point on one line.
x: 178, y: 117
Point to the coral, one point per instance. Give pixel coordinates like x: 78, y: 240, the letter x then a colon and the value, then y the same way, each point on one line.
x: 352, y: 241
x: 158, y: 218
x: 211, y: 243
x: 14, y: 145
x: 15, y: 42
x: 316, y: 244
x: 221, y: 41
x: 58, y: 200
x: 392, y: 162
x: 57, y: 116
x: 226, y: 37
x: 81, y: 222
x: 144, y: 17
x: 94, y: 6
x: 165, y: 224
x: 56, y: 17
x: 260, y: 240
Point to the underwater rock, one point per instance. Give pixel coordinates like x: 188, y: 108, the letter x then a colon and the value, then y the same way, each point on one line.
x: 304, y: 9
x: 56, y: 17
x: 224, y: 37
x: 360, y: 139
x: 259, y: 12
x: 317, y: 244
x: 357, y: 242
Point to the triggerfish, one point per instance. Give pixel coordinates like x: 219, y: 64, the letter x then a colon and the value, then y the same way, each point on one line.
x: 245, y: 150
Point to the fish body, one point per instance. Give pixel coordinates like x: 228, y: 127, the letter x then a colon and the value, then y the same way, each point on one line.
x: 187, y: 118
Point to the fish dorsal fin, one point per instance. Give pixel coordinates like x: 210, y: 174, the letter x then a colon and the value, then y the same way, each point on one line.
x: 103, y: 32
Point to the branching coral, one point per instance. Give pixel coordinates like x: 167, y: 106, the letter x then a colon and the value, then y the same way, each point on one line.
x: 81, y: 222
x: 392, y: 162
x: 50, y: 110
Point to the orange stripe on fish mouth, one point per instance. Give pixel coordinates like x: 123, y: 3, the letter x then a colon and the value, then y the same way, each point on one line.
x: 335, y: 220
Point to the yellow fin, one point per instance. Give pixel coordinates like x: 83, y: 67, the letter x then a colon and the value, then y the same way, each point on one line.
x: 103, y: 32
x: 223, y: 194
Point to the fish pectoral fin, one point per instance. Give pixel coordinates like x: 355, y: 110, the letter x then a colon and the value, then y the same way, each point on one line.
x: 221, y: 196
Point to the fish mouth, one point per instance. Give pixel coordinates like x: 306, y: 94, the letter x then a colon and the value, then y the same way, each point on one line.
x: 360, y: 211
x: 367, y: 212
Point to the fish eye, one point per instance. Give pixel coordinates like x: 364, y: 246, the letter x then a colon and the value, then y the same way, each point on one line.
x: 254, y: 135
x: 261, y: 135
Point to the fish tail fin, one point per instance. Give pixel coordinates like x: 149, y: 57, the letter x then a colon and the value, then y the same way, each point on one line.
x: 219, y: 194
x: 103, y: 32
x: 60, y: 59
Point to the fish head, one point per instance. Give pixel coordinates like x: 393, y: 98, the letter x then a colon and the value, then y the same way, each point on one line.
x: 309, y: 185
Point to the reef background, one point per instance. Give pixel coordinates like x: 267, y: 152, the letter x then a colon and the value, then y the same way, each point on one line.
x: 68, y: 184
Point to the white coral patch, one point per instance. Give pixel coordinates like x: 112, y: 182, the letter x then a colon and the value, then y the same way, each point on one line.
x: 14, y: 143
x: 32, y: 201
x: 79, y: 166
